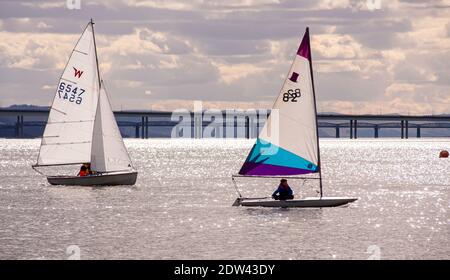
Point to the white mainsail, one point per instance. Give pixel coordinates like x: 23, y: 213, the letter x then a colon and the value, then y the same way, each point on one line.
x: 108, y: 150
x: 294, y: 149
x: 68, y: 133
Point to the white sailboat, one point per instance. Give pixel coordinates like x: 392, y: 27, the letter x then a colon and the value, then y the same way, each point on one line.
x: 81, y: 127
x: 294, y: 150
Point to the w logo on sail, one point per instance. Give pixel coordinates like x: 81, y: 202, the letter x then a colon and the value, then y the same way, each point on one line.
x: 78, y: 73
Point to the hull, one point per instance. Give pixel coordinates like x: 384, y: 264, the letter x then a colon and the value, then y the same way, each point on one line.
x: 296, y: 203
x: 111, y: 179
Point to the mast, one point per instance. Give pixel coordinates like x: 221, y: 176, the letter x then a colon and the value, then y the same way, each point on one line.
x: 315, y: 111
x: 99, y: 92
x: 96, y: 56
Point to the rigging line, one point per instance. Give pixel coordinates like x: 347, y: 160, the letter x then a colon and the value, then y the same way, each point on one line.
x: 303, y: 184
x: 71, y: 122
x: 80, y: 52
x: 235, y: 186
x: 63, y: 128
x: 59, y: 111
x: 67, y: 143
x: 115, y: 171
x: 38, y: 171
x: 69, y: 81
x: 315, y: 189
x: 79, y: 111
x: 254, y: 198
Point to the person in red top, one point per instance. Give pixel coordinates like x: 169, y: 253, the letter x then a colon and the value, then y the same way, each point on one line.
x: 83, y: 171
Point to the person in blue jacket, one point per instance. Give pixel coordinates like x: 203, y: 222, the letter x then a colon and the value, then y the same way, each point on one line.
x: 283, y: 192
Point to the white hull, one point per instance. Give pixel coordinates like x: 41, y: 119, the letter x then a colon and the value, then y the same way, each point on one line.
x: 110, y: 179
x: 309, y: 202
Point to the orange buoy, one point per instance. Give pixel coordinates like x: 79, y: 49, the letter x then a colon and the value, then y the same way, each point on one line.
x: 443, y: 154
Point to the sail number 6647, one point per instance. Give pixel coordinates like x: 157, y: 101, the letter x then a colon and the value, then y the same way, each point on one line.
x: 70, y: 92
x: 291, y: 95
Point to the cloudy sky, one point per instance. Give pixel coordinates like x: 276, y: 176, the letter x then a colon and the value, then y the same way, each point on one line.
x: 369, y: 56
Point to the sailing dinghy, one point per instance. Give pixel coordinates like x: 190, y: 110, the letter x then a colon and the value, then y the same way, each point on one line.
x: 294, y: 150
x: 81, y: 127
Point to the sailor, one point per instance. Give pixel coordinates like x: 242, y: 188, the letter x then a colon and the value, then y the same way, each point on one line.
x: 88, y: 168
x: 83, y: 171
x: 283, y: 192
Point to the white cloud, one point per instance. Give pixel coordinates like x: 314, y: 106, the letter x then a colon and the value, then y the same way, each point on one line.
x: 333, y: 4
x: 172, y: 62
x: 43, y: 25
x: 233, y: 73
x: 39, y: 51
x: 48, y: 87
x: 45, y: 4
x: 336, y: 46
x: 161, y: 4
x: 397, y: 89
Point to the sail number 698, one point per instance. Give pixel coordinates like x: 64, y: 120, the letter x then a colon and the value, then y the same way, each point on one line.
x: 291, y: 95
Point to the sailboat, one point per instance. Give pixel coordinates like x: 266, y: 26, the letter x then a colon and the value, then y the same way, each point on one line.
x: 294, y: 149
x: 81, y: 127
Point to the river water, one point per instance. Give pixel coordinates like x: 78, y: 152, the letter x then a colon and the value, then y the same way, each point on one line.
x: 180, y: 207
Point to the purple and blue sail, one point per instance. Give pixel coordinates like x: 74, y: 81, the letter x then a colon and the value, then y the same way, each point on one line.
x: 297, y: 127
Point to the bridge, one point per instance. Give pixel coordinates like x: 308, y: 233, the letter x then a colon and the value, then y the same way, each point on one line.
x: 243, y: 123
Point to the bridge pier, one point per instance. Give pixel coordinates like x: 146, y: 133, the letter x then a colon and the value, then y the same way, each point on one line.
x: 17, y: 130
x: 402, y: 126
x: 375, y: 128
x: 19, y: 127
x: 356, y: 129
x: 247, y: 127
x: 146, y: 127
x: 351, y: 129
x: 235, y: 127
x: 258, y: 127
x: 337, y: 131
x: 136, y: 134
x: 418, y: 131
x: 406, y: 129
x: 142, y: 127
